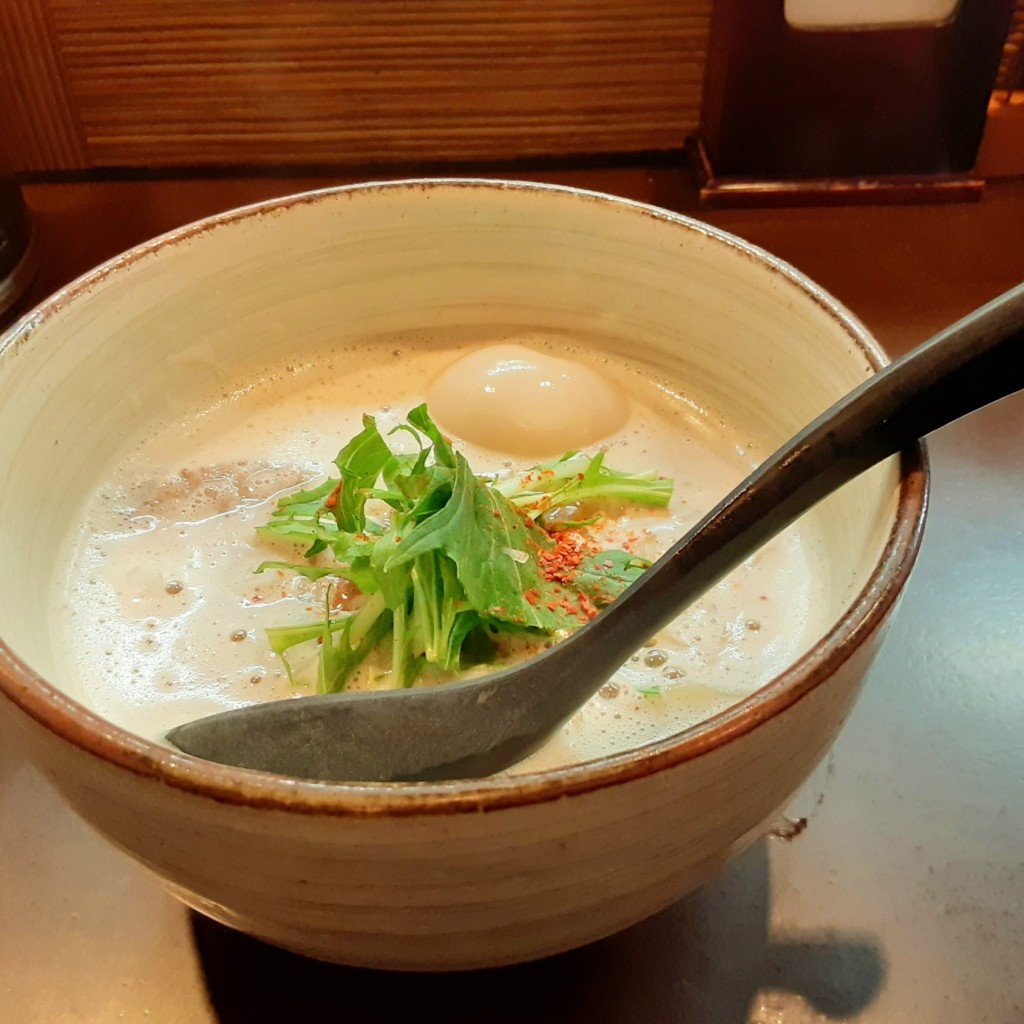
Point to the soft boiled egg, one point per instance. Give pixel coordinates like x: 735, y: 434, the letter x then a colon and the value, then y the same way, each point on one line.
x: 514, y: 399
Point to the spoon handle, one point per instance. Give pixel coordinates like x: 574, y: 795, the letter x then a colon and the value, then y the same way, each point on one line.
x: 476, y: 727
x: 976, y: 361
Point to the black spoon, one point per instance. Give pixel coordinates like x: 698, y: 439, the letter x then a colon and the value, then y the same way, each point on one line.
x: 477, y: 727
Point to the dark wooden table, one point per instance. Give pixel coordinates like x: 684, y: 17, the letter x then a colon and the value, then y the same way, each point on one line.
x: 901, y: 901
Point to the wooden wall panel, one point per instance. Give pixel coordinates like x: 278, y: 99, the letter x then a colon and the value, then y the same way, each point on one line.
x: 206, y: 82
x: 39, y: 124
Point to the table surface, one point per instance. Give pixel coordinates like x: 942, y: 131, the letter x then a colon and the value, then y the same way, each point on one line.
x: 903, y: 898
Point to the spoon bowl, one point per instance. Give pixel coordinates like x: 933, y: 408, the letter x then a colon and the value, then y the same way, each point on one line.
x: 481, y: 726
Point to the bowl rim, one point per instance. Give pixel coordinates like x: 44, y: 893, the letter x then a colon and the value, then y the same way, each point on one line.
x: 75, y: 724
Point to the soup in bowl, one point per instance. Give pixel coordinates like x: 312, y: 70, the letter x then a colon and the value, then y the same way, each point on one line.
x: 154, y: 413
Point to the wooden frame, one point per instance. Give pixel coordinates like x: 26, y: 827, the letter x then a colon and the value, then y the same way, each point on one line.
x: 793, y: 115
x: 261, y: 83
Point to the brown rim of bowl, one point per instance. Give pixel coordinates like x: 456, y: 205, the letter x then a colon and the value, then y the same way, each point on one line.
x: 72, y: 722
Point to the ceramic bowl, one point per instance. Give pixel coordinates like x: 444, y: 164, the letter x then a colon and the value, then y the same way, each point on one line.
x: 460, y: 874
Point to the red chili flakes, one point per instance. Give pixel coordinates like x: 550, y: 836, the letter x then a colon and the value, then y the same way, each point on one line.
x: 559, y: 564
x: 586, y: 608
x: 332, y: 499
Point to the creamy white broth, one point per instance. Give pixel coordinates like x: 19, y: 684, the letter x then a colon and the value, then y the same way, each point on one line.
x: 162, y: 620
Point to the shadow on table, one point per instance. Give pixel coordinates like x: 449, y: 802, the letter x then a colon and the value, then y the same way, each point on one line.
x: 705, y: 960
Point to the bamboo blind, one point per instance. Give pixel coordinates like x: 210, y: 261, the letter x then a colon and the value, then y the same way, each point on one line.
x: 172, y: 83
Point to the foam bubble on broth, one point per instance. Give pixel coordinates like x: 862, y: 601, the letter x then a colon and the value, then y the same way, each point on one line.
x: 162, y: 620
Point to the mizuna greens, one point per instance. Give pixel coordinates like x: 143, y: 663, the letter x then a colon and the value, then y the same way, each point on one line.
x: 456, y: 559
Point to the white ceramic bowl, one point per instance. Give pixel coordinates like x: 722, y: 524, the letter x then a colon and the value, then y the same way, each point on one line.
x: 460, y: 874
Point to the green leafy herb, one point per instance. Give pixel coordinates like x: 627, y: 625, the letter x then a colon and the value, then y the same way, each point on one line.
x: 456, y: 560
x: 602, y: 577
x: 649, y: 691
x: 576, y: 478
